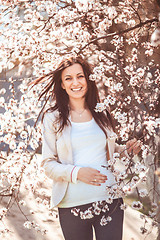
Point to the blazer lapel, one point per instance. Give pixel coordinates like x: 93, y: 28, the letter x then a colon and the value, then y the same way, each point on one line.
x: 67, y: 140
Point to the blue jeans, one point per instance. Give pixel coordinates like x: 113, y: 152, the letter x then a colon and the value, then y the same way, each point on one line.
x: 75, y: 228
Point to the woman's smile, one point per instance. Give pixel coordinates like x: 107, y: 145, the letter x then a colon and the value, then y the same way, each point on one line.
x: 76, y: 89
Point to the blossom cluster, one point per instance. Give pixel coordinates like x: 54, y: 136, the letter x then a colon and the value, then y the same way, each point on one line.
x: 20, y: 141
x: 96, y: 209
x: 35, y: 226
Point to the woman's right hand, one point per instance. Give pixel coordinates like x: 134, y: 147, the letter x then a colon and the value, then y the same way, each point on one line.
x: 91, y: 176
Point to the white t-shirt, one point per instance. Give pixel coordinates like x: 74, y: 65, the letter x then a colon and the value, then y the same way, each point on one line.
x: 88, y: 150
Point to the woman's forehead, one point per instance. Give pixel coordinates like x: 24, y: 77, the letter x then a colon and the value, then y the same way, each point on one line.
x: 73, y: 69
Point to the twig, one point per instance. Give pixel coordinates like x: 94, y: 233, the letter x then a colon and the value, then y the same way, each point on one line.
x: 140, y: 20
x: 21, y: 209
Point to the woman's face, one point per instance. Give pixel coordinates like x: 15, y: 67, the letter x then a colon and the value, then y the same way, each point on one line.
x: 74, y: 81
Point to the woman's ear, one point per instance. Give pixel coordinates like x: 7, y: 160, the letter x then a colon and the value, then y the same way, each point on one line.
x: 62, y: 85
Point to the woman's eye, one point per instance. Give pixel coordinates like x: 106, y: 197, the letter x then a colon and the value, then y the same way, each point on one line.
x: 67, y: 79
x: 80, y: 76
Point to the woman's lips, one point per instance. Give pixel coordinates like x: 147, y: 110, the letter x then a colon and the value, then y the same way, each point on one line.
x: 76, y: 89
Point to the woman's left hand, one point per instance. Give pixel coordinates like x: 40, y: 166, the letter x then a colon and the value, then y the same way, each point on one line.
x: 134, y: 146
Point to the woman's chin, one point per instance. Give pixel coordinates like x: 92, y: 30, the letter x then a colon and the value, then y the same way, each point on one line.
x: 77, y: 94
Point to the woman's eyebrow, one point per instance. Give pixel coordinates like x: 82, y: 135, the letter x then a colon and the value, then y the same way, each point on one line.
x: 80, y: 73
x: 67, y: 75
x: 70, y: 75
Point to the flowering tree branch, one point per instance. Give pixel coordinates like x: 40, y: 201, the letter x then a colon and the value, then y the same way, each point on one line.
x: 121, y: 32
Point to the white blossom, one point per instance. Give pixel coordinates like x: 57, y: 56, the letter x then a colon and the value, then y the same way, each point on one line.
x: 75, y: 211
x: 143, y: 230
x: 2, y: 91
x: 137, y: 205
x: 2, y: 101
x: 22, y: 202
x: 140, y: 72
x: 28, y: 225
x: 83, y: 5
x: 121, y: 117
x: 143, y: 192
x: 123, y: 206
x: 3, y: 212
x: 155, y: 38
x: 100, y: 107
x: 105, y: 220
x: 87, y: 214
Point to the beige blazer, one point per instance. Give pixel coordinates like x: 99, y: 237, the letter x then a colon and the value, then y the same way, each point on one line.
x: 57, y: 158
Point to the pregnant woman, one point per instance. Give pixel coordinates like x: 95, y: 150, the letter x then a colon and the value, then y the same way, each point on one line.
x: 76, y: 143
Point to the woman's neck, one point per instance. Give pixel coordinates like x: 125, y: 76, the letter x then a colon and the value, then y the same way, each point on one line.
x: 77, y: 104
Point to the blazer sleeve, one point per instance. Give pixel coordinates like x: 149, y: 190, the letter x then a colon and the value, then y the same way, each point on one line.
x: 54, y: 169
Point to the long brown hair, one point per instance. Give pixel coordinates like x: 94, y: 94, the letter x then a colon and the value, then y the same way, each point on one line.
x: 56, y: 93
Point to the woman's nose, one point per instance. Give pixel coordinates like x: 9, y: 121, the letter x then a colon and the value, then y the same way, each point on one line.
x: 75, y: 81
